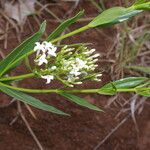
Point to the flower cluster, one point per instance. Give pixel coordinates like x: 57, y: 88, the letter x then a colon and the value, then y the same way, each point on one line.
x: 44, y: 52
x: 79, y: 65
x: 70, y: 65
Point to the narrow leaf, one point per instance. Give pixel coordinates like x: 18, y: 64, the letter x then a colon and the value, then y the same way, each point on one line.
x: 30, y: 100
x: 130, y: 82
x: 63, y: 26
x: 22, y: 49
x: 113, y: 16
x: 142, y: 6
x: 140, y: 2
x: 145, y: 92
x: 80, y: 101
x: 140, y: 68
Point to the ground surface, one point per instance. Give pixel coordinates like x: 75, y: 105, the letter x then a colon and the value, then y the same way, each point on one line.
x: 85, y: 128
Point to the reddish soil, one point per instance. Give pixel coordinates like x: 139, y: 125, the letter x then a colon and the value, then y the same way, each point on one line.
x: 85, y: 128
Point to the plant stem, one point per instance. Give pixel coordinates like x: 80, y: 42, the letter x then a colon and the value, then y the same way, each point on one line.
x: 71, y: 33
x: 126, y: 90
x: 68, y: 91
x: 86, y: 27
x: 48, y: 90
x: 18, y: 77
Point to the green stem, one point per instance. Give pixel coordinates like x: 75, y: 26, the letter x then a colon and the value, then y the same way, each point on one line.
x: 17, y: 77
x: 126, y: 90
x: 48, y: 90
x: 68, y: 91
x: 71, y: 33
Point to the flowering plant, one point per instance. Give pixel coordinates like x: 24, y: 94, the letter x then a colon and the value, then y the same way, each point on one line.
x: 70, y: 64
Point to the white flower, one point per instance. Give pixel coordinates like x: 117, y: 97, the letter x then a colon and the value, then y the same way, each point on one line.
x: 80, y: 63
x: 47, y: 44
x: 75, y: 71
x: 95, y: 55
x: 69, y: 50
x: 45, y: 47
x: 94, y: 60
x: 39, y: 48
x: 67, y: 64
x: 90, y: 52
x: 99, y: 75
x: 48, y: 78
x: 51, y: 52
x: 50, y: 48
x: 53, y: 68
x: 97, y: 79
x: 41, y: 60
x: 78, y: 83
x: 70, y: 78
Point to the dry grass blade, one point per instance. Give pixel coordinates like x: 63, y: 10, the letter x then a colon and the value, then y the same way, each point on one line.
x: 97, y: 147
x: 133, y: 107
x: 47, y: 10
x: 28, y: 126
x: 9, y: 104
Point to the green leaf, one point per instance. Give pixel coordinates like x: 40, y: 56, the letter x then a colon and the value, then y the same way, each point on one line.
x: 21, y: 50
x: 144, y: 5
x: 113, y: 16
x: 30, y: 100
x: 140, y: 68
x: 130, y: 82
x: 63, y: 26
x: 144, y: 89
x: 145, y: 92
x: 140, y: 2
x: 80, y: 101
